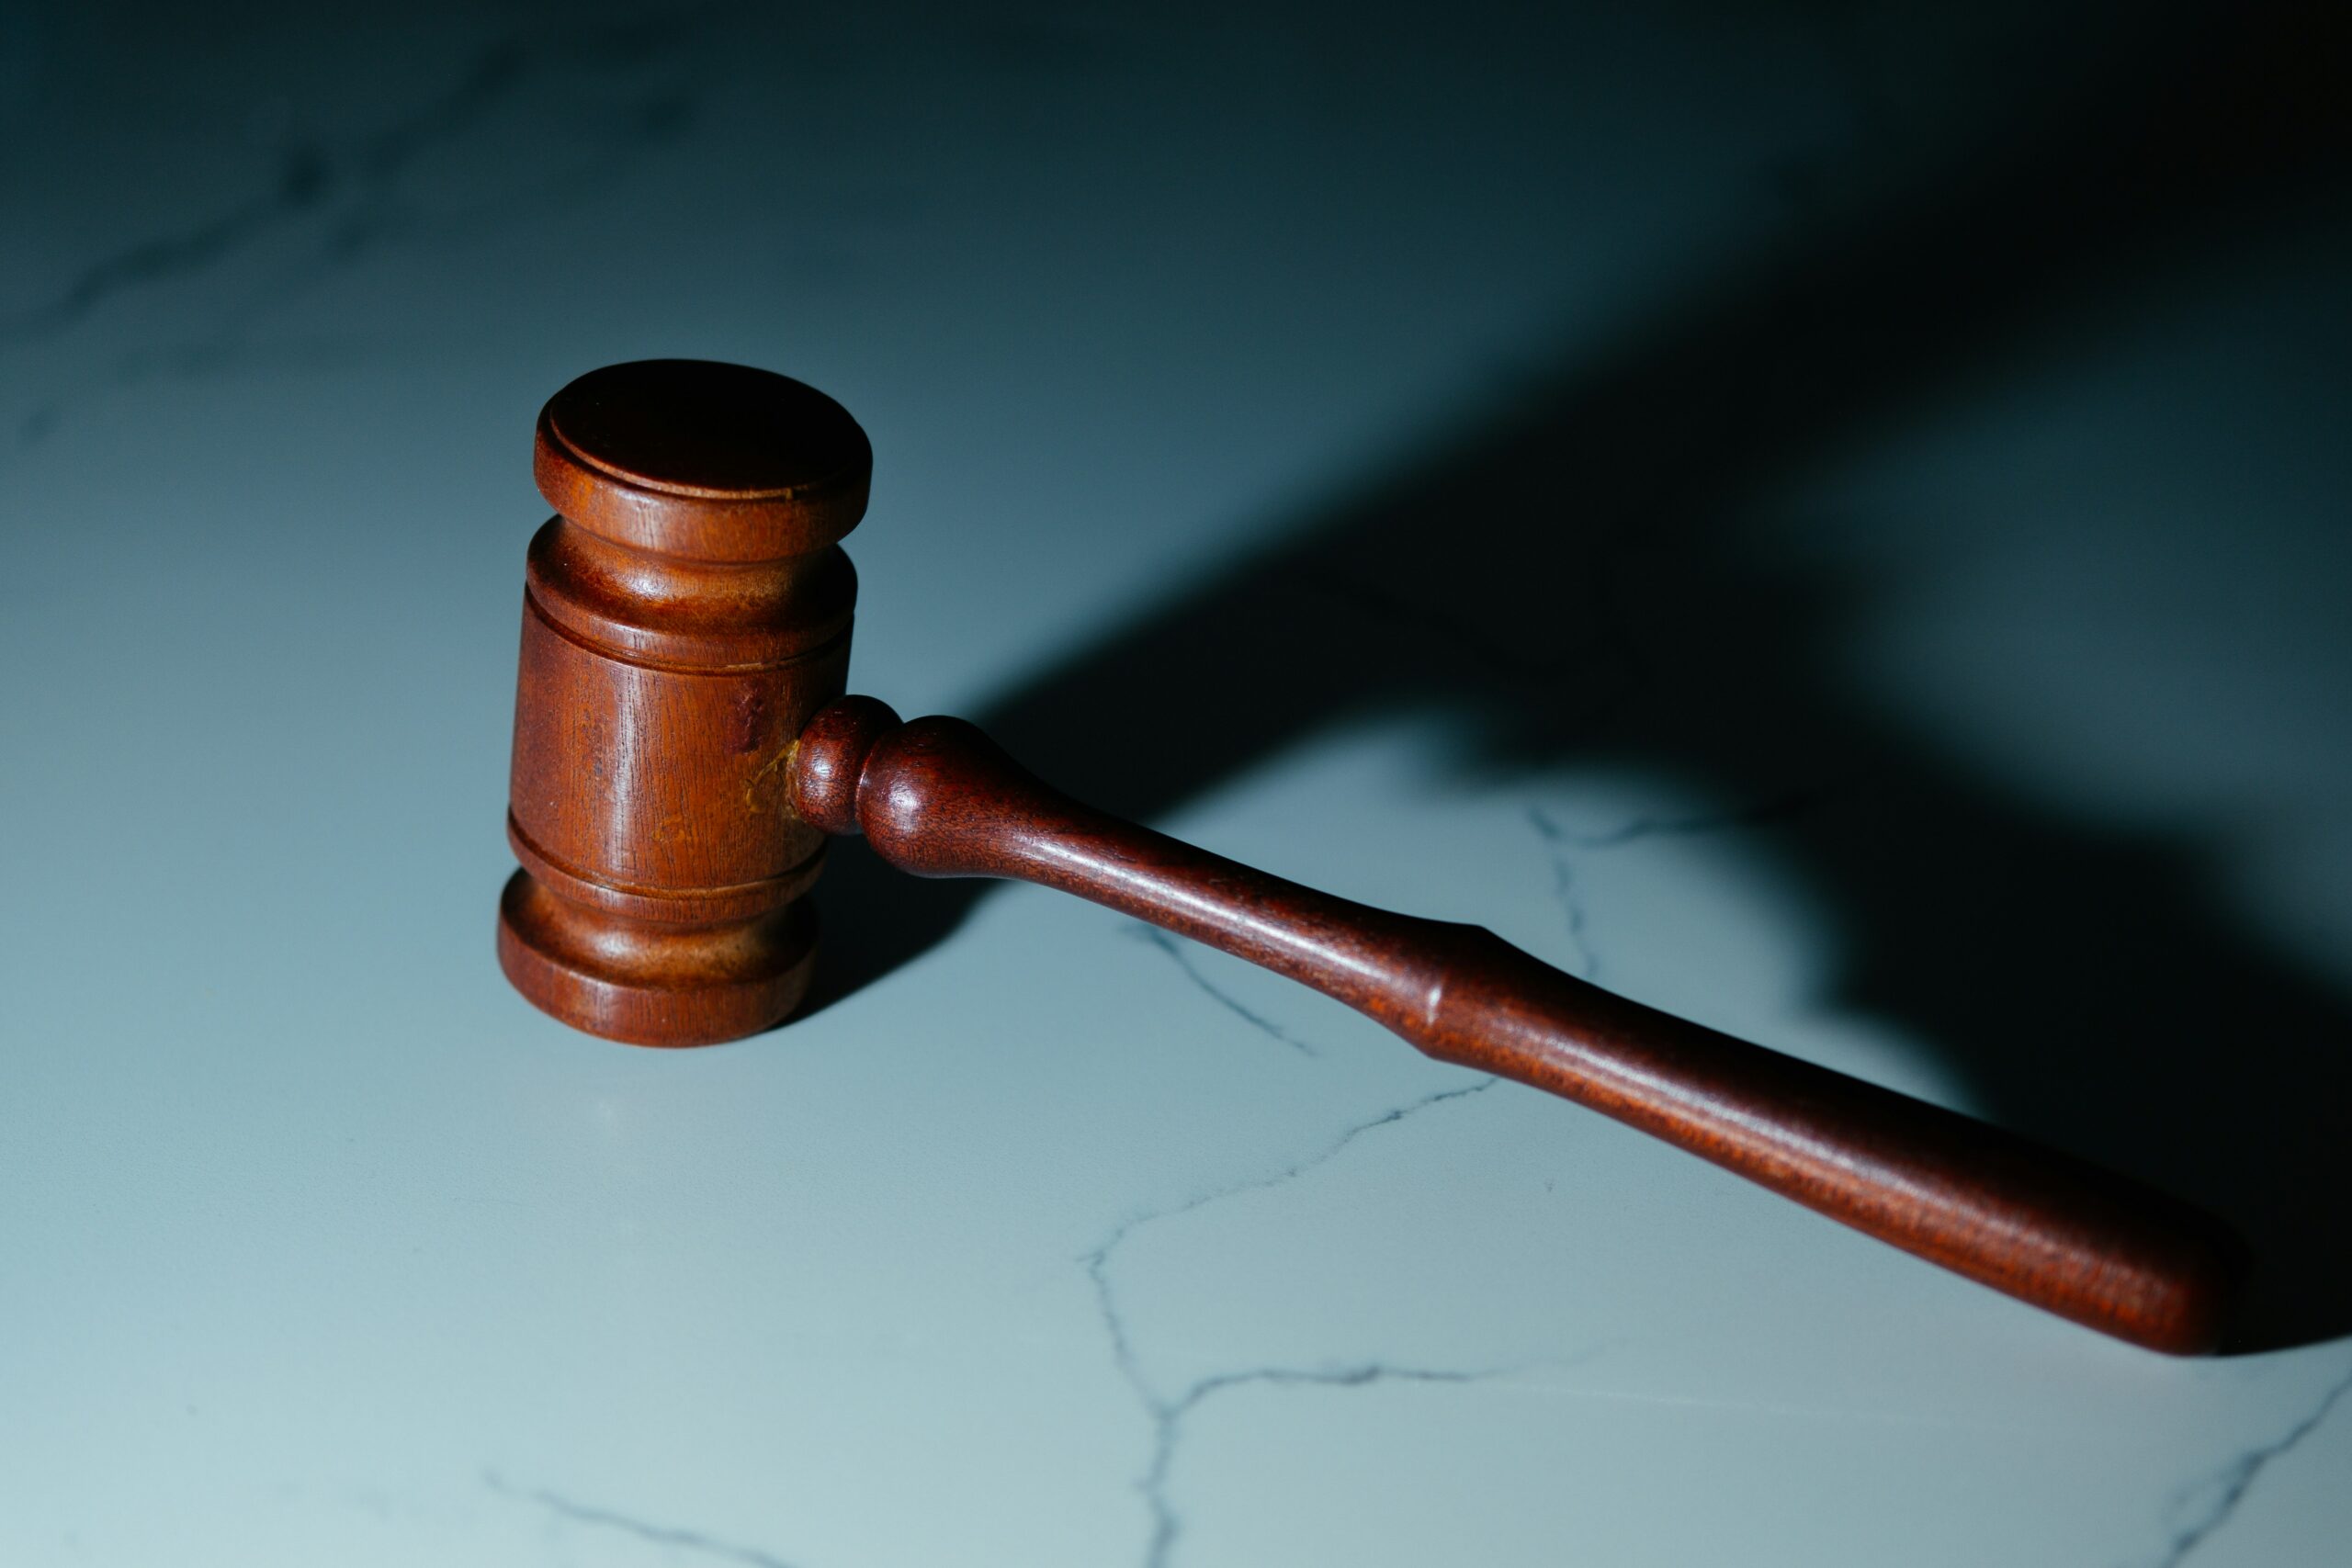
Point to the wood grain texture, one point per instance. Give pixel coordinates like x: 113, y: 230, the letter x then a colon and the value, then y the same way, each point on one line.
x: 683, y: 615
x: 937, y: 798
x: 676, y: 767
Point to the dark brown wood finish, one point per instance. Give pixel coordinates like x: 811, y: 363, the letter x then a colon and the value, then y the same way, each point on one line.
x: 687, y: 614
x: 682, y: 617
x: 937, y: 798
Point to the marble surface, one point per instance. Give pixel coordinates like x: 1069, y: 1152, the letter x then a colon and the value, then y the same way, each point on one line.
x: 1705, y: 497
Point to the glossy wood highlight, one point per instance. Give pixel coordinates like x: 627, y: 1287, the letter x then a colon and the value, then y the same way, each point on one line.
x: 682, y: 617
x: 677, y: 767
x: 937, y: 798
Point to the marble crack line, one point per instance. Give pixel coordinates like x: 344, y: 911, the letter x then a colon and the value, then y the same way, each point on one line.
x: 1167, y: 1415
x: 1585, y: 964
x: 1562, y: 844
x: 1174, y: 948
x: 304, y: 180
x: 565, y: 1508
x: 309, y: 178
x: 2228, y: 1486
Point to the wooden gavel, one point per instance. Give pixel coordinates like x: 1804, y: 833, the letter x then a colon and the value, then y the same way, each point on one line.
x: 682, y: 748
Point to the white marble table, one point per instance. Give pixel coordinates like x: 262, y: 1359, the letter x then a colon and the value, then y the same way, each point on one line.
x: 1661, y: 490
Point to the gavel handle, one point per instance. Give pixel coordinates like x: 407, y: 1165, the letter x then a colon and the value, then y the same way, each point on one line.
x: 938, y: 798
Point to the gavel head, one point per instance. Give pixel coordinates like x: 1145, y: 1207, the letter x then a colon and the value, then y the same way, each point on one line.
x: 684, y: 614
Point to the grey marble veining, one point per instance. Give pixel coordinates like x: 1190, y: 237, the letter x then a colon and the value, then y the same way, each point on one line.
x: 1168, y: 1410
x: 1710, y: 498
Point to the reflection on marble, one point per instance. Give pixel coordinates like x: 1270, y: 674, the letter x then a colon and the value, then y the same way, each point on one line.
x: 1831, y: 529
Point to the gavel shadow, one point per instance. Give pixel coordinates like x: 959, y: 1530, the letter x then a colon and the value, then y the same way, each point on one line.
x: 1575, y: 581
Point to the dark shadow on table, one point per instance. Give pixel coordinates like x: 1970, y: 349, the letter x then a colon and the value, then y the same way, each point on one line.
x: 1569, y: 581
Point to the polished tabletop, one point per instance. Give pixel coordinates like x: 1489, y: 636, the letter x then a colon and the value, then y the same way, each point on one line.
x: 1889, y: 484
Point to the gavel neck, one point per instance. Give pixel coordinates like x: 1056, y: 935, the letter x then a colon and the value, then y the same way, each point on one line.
x: 936, y: 797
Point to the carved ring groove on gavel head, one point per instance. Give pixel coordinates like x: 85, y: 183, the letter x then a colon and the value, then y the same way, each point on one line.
x: 684, y: 614
x: 680, y: 756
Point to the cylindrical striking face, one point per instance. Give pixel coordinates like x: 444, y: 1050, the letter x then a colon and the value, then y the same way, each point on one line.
x: 682, y: 617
